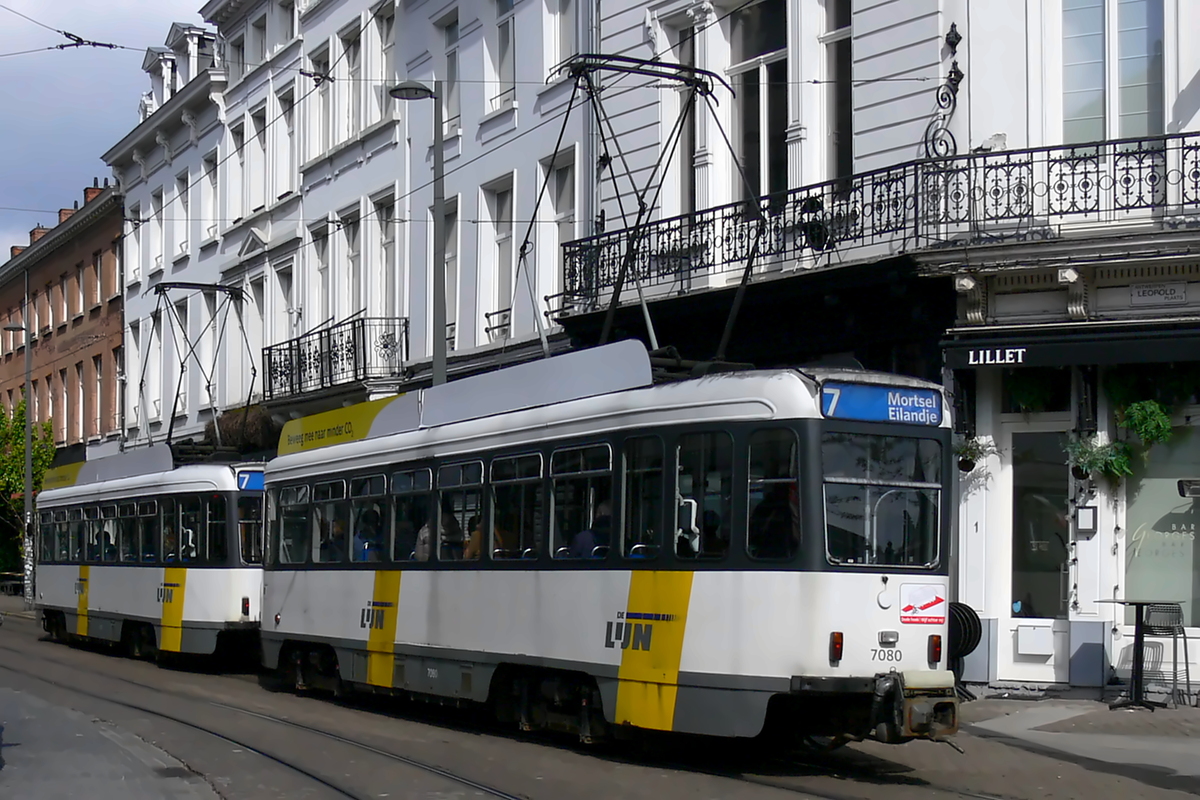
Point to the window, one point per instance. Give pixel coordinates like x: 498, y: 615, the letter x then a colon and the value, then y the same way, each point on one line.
x: 129, y: 544
x: 685, y: 165
x: 321, y: 254
x: 643, y: 496
x: 500, y: 209
x: 134, y: 237
x: 385, y: 27
x: 774, y: 506
x: 64, y: 411
x: 134, y: 338
x: 839, y: 88
x: 192, y: 530
x: 236, y: 175
x: 882, y: 496
x: 80, y: 293
x: 412, y: 513
x: 369, y: 514
x: 450, y: 103
x: 97, y: 394
x: 353, y: 86
x: 518, y: 509
x: 79, y: 410
x: 181, y: 344
x: 286, y: 15
x: 258, y: 43
x: 148, y: 528
x: 169, y: 530
x: 218, y: 536
x: 114, y: 399
x: 563, y: 187
x: 1095, y: 93
x: 760, y: 74
x: 153, y: 367
x: 330, y: 523
x: 237, y: 59
x: 352, y: 239
x: 250, y: 528
x: 285, y: 160
x: 451, y: 231
x: 564, y: 24
x: 208, y: 196
x: 504, y: 61
x: 293, y: 532
x: 581, y: 515
x: 283, y: 319
x: 460, y: 495
x: 182, y: 219
x: 157, y: 234
x: 91, y: 533
x: 703, y: 495
x: 33, y: 329
x: 257, y: 175
x: 385, y: 216
x: 322, y: 118
x: 94, y: 280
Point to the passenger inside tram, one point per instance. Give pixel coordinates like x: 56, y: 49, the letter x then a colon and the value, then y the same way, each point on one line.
x: 368, y: 537
x: 333, y: 547
x: 170, y: 543
x: 587, y: 543
x: 775, y: 522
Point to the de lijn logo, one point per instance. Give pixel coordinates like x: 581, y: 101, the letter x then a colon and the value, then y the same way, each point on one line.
x: 373, y: 614
x: 166, y: 593
x: 632, y: 635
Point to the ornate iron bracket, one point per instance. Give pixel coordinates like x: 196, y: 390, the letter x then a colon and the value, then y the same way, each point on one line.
x: 939, y: 141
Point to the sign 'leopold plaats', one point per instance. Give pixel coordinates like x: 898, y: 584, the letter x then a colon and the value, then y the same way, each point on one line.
x: 871, y: 403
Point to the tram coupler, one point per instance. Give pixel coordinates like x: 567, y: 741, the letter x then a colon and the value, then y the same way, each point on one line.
x: 917, y: 704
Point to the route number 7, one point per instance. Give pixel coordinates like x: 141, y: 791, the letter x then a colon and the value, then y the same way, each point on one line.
x: 833, y: 396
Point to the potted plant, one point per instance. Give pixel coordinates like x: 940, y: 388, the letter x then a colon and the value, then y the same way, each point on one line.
x: 1087, y: 457
x: 972, y: 450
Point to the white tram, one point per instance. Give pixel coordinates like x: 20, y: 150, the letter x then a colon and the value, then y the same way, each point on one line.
x: 160, y: 558
x: 712, y: 556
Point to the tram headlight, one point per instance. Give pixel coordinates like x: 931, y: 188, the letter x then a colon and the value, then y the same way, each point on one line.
x: 836, y: 642
x: 935, y: 649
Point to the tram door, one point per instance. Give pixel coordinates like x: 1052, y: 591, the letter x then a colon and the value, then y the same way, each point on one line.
x: 1041, y: 554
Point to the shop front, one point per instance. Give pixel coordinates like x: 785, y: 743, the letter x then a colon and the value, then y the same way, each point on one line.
x: 1079, y: 486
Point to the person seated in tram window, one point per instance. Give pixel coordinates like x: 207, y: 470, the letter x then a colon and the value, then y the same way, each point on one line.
x: 586, y: 542
x: 170, y: 544
x: 450, y: 531
x: 775, y: 523
x: 333, y: 549
x: 367, y: 537
x: 474, y: 538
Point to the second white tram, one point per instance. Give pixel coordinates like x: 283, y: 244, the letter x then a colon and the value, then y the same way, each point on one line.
x: 159, y: 558
x: 723, y: 555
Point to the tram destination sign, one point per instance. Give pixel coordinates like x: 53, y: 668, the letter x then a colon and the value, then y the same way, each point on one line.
x: 874, y: 403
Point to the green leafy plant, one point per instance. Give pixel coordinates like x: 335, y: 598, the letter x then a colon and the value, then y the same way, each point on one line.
x: 1029, y: 390
x: 970, y: 451
x: 1150, y: 420
x: 12, y: 480
x: 1113, y: 460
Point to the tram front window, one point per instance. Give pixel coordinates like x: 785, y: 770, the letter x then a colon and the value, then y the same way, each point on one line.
x: 250, y: 528
x: 882, y: 498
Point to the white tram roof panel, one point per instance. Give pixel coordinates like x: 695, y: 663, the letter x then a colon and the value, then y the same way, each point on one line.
x: 110, y: 480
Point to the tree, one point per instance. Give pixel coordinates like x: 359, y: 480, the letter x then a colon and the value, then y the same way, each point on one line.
x: 12, y: 480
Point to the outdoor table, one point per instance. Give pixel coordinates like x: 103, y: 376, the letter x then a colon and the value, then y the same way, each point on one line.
x: 1137, y: 683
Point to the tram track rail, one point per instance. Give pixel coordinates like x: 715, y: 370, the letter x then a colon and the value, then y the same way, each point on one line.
x: 289, y: 763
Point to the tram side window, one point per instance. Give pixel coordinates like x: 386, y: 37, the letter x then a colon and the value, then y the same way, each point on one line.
x: 460, y: 496
x: 331, y: 522
x: 412, y: 512
x: 169, y: 526
x: 218, y: 532
x: 250, y: 528
x: 191, y: 530
x: 774, y: 510
x: 643, y: 496
x: 109, y: 534
x: 128, y: 527
x: 294, y: 530
x: 62, y: 536
x: 75, y: 533
x: 148, y: 523
x: 582, y: 501
x: 518, y: 509
x: 45, y: 549
x: 369, y: 507
x: 703, y: 495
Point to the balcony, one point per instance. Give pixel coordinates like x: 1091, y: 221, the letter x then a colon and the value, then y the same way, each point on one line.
x: 351, y: 352
x: 980, y: 199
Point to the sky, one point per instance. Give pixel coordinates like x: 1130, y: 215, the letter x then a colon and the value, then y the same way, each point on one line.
x: 60, y: 110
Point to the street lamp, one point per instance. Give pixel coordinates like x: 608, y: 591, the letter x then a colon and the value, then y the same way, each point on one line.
x: 28, y: 585
x: 412, y: 90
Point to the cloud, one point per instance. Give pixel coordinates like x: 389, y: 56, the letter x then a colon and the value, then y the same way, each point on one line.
x: 61, y: 110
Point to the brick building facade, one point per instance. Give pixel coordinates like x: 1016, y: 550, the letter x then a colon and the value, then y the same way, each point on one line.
x: 69, y: 276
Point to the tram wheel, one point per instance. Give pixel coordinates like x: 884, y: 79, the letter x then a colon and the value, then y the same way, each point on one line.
x: 823, y: 744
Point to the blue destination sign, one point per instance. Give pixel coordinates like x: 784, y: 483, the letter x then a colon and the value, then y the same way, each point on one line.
x: 250, y: 481
x: 870, y: 403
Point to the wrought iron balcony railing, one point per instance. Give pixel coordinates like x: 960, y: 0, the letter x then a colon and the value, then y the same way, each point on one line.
x: 353, y: 351
x: 992, y: 197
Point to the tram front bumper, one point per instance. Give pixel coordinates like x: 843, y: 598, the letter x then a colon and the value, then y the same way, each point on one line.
x: 915, y: 704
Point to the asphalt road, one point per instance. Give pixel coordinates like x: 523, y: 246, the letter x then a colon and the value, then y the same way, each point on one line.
x: 229, y: 729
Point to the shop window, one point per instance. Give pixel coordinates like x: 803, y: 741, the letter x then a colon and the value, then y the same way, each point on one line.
x: 1162, y: 560
x: 1035, y: 390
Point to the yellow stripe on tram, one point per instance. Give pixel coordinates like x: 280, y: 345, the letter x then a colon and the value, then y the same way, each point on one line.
x: 81, y: 601
x: 652, y: 646
x: 171, y: 594
x: 380, y: 620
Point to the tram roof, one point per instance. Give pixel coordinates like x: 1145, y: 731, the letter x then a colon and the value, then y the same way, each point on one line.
x: 143, y: 468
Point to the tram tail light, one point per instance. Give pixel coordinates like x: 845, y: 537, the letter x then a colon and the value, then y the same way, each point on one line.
x: 836, y: 641
x: 935, y: 649
x: 245, y: 606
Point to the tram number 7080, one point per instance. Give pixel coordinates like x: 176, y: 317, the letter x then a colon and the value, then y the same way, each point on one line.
x: 886, y: 654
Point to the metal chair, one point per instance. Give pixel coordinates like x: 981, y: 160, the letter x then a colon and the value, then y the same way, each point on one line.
x: 1166, y: 619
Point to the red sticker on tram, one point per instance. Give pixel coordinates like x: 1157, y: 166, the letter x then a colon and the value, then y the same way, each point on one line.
x: 922, y: 604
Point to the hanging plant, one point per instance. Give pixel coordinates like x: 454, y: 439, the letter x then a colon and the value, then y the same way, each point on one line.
x: 1029, y: 390
x: 1150, y: 420
x: 1087, y: 456
x: 971, y: 451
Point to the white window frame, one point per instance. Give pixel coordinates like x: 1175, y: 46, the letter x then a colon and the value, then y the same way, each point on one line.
x: 759, y: 64
x: 451, y: 89
x: 351, y: 42
x: 504, y: 61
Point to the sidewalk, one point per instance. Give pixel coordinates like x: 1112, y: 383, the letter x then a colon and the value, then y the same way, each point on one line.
x: 15, y: 606
x: 1160, y: 747
x: 50, y: 752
